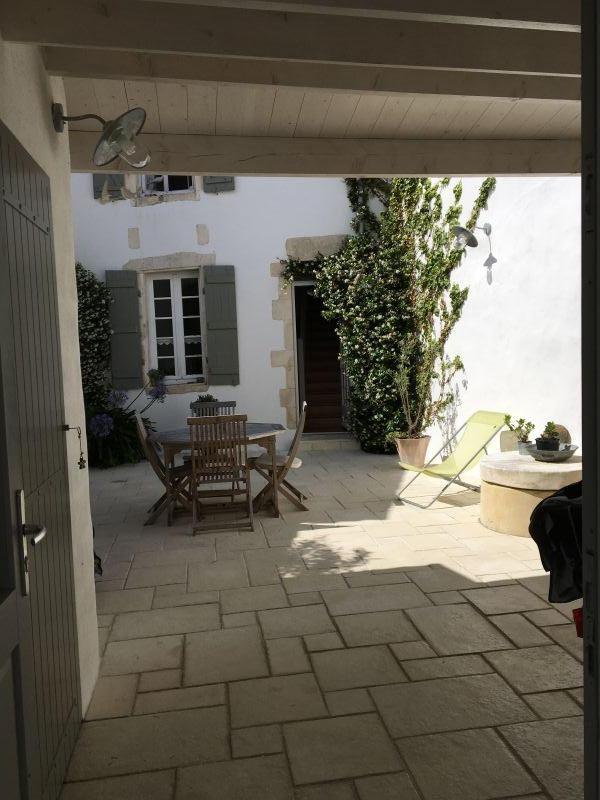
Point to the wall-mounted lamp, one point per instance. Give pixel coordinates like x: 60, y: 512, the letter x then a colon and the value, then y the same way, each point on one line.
x: 118, y: 139
x: 466, y: 238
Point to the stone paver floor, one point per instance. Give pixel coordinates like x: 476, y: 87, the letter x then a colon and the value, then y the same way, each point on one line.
x: 358, y: 651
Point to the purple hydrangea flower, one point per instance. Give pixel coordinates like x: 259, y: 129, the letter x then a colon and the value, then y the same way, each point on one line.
x: 101, y: 426
x: 117, y: 398
x: 157, y: 392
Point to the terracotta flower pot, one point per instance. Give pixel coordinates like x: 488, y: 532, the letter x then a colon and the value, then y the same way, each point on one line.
x: 413, y: 451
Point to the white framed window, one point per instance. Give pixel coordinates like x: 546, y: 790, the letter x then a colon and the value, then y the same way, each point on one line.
x: 175, y: 325
x: 167, y: 184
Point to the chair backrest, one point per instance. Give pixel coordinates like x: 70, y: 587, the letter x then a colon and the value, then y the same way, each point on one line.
x: 219, y: 448
x: 149, y: 448
x: 292, y: 452
x: 212, y: 408
x: 480, y: 428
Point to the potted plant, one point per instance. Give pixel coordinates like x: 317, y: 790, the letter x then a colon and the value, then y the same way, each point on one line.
x: 549, y: 440
x: 518, y: 431
x: 202, y: 398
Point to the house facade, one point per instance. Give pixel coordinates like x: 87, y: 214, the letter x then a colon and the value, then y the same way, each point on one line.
x: 230, y: 326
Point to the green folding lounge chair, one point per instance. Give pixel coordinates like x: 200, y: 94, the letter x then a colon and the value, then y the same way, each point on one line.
x: 478, y: 432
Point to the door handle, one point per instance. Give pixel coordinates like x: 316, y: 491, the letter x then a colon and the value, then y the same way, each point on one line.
x: 35, y: 533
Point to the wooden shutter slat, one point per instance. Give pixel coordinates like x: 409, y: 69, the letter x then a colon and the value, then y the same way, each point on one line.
x: 221, y: 326
x: 126, y: 357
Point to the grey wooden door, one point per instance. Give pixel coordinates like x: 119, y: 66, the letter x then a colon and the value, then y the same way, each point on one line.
x: 39, y: 681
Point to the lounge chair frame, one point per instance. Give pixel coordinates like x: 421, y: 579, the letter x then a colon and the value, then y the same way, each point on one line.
x: 456, y: 479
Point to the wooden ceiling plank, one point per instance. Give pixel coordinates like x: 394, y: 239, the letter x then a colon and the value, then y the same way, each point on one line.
x: 230, y: 98
x: 256, y: 110
x: 388, y: 123
x: 315, y: 106
x: 189, y: 29
x: 286, y: 109
x: 85, y: 62
x: 442, y: 116
x: 267, y: 155
x: 143, y: 93
x: 112, y: 98
x: 367, y: 112
x: 490, y: 119
x: 416, y: 118
x: 172, y: 107
x: 469, y: 113
x: 339, y: 114
x: 202, y: 108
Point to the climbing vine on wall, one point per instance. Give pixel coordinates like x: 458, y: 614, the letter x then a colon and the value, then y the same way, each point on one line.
x: 390, y: 293
x: 94, y: 335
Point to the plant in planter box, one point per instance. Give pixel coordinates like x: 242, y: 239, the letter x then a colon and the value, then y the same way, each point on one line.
x: 521, y: 429
x: 549, y: 440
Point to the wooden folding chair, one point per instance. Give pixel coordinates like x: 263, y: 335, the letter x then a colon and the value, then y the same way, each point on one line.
x: 220, y: 459
x: 180, y: 476
x: 212, y: 408
x: 285, y: 462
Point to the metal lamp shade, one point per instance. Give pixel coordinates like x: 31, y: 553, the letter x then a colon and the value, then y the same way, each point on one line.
x: 119, y: 140
x: 464, y: 236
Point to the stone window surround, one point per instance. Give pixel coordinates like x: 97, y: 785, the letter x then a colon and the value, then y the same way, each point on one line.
x: 171, y: 262
x: 302, y: 248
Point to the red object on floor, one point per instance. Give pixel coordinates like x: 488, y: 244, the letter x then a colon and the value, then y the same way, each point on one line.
x: 578, y: 620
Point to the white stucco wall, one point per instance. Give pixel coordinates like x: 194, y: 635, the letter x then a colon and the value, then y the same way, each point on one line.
x: 26, y: 93
x: 519, y: 335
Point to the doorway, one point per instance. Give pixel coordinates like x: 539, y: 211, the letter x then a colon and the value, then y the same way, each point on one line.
x: 319, y: 373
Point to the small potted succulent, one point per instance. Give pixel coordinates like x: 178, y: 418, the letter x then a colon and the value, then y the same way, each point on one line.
x: 520, y: 430
x: 549, y: 440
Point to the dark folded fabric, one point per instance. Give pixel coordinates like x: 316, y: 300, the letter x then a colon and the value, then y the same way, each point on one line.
x: 555, y: 527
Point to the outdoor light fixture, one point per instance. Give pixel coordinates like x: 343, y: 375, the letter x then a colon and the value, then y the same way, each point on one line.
x: 466, y: 238
x: 118, y: 138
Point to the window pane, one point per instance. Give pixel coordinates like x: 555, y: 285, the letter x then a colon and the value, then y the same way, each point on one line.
x: 164, y: 349
x: 162, y: 288
x: 193, y: 348
x: 162, y: 308
x: 189, y: 287
x: 193, y: 365
x: 179, y: 183
x: 191, y: 307
x: 164, y: 328
x: 191, y: 326
x: 166, y: 365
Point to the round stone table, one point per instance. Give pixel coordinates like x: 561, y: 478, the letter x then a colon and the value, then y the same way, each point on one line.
x: 512, y: 485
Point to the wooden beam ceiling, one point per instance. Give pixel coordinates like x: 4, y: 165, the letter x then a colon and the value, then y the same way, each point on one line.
x: 550, y: 14
x: 261, y: 155
x: 184, y: 28
x: 79, y: 62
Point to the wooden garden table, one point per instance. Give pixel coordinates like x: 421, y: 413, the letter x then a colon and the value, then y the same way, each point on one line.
x: 177, y: 441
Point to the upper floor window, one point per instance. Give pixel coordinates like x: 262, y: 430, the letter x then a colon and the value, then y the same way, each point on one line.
x: 175, y: 325
x: 167, y: 184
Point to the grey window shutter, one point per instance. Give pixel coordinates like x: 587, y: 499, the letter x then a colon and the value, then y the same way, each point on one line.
x: 213, y: 184
x: 114, y: 184
x: 221, y: 326
x: 126, y: 357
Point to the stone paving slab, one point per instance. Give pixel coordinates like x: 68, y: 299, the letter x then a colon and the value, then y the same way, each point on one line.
x: 446, y: 667
x: 553, y: 749
x: 377, y: 627
x: 446, y: 704
x: 287, y: 656
x: 296, y: 621
x: 149, y: 742
x: 144, y: 786
x: 113, y: 697
x: 469, y: 765
x: 224, y: 655
x: 229, y: 574
x: 356, y: 667
x: 453, y: 630
x: 280, y: 699
x: 173, y: 699
x: 261, y: 740
x: 374, y: 598
x: 125, y: 600
x: 387, y: 787
x: 504, y: 599
x: 343, y: 747
x: 254, y: 598
x: 141, y: 655
x: 165, y: 621
x: 538, y: 669
x: 241, y: 779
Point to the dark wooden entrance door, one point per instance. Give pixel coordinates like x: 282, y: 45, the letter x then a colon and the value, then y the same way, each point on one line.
x: 319, y: 372
x: 39, y: 682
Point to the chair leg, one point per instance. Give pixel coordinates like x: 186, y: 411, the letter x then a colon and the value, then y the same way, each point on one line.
x: 293, y: 489
x: 157, y: 512
x: 158, y: 503
x: 249, y: 500
x: 298, y: 503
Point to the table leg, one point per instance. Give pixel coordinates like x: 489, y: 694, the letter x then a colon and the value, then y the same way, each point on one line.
x: 170, y: 463
x: 274, y: 477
